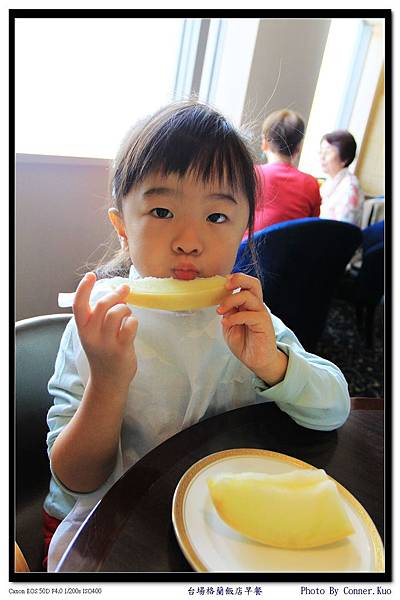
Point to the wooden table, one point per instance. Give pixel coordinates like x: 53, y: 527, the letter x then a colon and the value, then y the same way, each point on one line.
x: 131, y: 530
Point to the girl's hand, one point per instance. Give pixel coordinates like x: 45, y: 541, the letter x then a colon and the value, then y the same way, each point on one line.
x: 248, y: 329
x: 106, y: 332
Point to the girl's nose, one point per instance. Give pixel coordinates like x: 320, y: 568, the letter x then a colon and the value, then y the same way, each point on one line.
x: 187, y: 242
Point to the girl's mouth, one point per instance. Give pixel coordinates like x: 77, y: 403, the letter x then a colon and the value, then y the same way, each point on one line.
x: 185, y: 274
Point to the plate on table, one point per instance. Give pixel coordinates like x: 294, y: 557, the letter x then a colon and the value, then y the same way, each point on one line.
x: 209, y: 545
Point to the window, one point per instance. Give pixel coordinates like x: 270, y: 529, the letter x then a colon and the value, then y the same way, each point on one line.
x: 80, y: 82
x: 346, y: 86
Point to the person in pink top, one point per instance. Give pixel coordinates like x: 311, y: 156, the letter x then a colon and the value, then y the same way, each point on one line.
x: 342, y: 196
x: 285, y: 193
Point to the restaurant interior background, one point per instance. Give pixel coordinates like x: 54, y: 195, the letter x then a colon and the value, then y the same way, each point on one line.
x: 74, y: 102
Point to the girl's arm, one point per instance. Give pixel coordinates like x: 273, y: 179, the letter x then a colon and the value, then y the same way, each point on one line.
x: 312, y: 390
x: 84, y: 453
x: 249, y: 332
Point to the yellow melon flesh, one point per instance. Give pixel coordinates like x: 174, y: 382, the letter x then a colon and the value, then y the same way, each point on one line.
x: 178, y: 294
x: 300, y: 509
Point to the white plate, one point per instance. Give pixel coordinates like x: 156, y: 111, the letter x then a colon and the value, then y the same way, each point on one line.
x: 210, y: 545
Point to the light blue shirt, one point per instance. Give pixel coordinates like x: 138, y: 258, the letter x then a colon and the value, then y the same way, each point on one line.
x: 186, y: 373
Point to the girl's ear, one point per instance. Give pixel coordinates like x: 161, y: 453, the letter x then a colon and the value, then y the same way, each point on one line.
x: 264, y: 144
x: 118, y: 224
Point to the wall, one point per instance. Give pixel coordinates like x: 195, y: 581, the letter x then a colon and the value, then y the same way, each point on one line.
x: 285, y: 68
x: 61, y: 220
x: 333, y: 80
x: 370, y: 166
x: 354, y: 102
x: 363, y: 106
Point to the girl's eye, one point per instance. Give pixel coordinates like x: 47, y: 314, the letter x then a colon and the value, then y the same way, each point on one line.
x: 162, y: 213
x: 217, y: 218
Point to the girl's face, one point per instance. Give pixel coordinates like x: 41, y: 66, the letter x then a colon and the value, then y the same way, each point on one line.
x: 182, y: 228
x: 331, y: 162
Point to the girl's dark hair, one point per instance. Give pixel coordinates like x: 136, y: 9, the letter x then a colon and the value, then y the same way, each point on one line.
x: 344, y: 142
x: 186, y: 136
x: 283, y: 130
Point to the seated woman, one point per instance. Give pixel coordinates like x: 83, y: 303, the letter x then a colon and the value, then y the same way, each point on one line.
x: 285, y: 193
x: 342, y: 196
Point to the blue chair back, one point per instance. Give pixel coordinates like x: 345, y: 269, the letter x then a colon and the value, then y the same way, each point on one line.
x: 300, y: 263
x: 370, y: 281
x: 372, y: 235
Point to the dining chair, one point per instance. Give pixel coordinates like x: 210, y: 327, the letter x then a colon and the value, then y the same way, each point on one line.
x: 20, y: 564
x: 373, y: 211
x: 300, y: 264
x: 364, y: 287
x: 36, y: 345
x: 366, y: 403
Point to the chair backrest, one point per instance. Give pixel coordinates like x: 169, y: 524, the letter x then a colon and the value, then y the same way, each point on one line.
x: 370, y: 280
x: 36, y: 345
x: 20, y: 564
x: 301, y: 262
x: 373, y: 211
x: 372, y: 235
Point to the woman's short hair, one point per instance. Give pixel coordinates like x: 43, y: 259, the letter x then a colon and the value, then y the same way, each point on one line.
x: 344, y: 142
x: 283, y: 130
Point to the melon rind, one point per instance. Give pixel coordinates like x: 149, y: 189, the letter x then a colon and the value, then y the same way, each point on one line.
x: 176, y: 294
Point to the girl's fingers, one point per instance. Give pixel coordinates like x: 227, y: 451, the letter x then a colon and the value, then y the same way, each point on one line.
x: 248, y: 318
x: 128, y: 329
x: 230, y: 312
x: 244, y: 300
x: 81, y: 305
x: 107, y: 302
x: 245, y: 282
x: 113, y: 320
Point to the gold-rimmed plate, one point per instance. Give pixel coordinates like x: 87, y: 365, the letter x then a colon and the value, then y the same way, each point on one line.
x: 210, y: 545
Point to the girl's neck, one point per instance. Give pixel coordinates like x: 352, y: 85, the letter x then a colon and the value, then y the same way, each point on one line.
x: 272, y: 157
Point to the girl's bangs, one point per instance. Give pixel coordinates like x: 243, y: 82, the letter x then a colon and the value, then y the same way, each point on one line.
x: 219, y: 160
x: 190, y: 139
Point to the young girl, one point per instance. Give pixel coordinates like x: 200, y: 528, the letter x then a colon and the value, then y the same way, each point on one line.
x: 127, y: 378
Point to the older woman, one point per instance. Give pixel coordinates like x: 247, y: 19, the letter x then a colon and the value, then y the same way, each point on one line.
x: 285, y: 193
x: 342, y: 196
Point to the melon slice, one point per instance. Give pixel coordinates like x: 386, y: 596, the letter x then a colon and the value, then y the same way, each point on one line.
x: 299, y: 509
x: 177, y: 294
